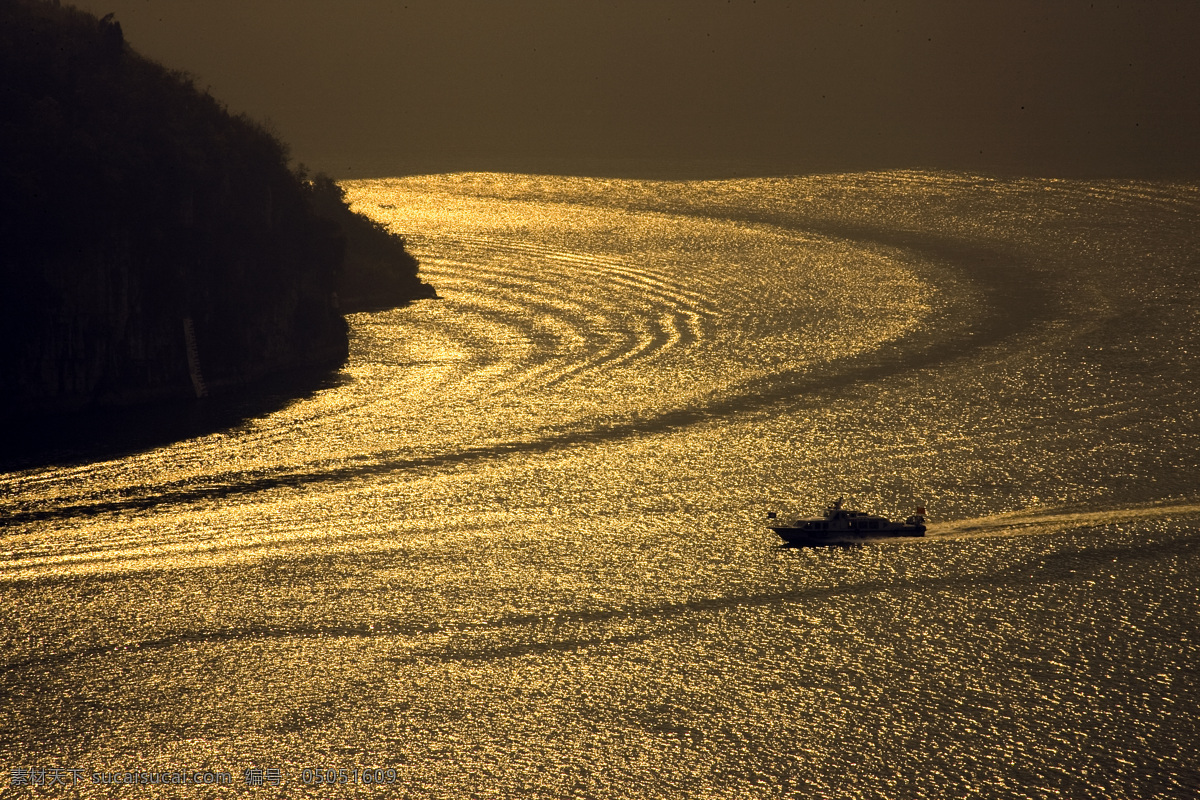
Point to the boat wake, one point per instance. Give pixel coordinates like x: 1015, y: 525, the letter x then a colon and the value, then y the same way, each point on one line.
x: 1046, y: 520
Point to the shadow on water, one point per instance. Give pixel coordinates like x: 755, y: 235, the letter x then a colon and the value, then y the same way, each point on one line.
x: 539, y: 633
x: 100, y: 434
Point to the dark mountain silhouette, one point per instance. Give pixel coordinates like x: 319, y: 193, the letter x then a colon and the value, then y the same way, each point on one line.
x: 153, y: 245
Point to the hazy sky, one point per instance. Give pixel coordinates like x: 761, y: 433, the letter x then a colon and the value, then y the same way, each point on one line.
x: 362, y: 87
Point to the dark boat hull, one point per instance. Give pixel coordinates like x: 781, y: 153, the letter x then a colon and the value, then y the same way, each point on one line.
x: 798, y: 537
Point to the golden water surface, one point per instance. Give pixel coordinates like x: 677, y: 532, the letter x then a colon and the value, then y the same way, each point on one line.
x: 518, y: 547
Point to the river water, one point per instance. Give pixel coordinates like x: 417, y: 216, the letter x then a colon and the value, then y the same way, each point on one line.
x: 518, y: 547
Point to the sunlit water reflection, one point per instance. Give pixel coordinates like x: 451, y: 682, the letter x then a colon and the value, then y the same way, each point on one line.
x: 519, y: 549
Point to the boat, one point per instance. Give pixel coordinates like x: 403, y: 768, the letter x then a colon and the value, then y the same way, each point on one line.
x: 841, y: 526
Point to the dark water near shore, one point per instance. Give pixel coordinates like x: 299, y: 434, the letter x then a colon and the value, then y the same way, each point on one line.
x: 517, y: 549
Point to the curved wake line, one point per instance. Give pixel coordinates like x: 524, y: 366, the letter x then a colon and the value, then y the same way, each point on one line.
x: 609, y: 268
x: 605, y: 341
x: 658, y: 315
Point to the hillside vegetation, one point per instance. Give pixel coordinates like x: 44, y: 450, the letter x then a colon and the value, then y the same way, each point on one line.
x: 138, y: 217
